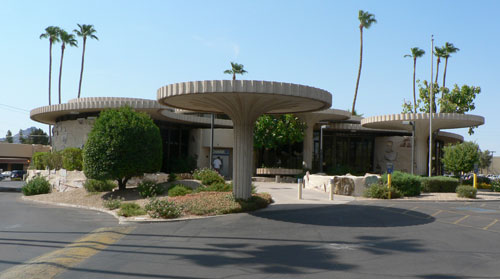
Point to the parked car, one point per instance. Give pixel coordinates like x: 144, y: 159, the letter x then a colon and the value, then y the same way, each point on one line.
x: 17, y: 175
x: 6, y: 174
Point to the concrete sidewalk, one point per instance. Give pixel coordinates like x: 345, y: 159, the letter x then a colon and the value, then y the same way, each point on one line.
x: 11, y: 186
x: 287, y: 193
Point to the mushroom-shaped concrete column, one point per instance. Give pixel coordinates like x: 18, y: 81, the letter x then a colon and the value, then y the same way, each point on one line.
x: 421, y: 120
x: 243, y: 101
x: 310, y: 119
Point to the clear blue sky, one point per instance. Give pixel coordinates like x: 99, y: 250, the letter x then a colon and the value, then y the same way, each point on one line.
x: 147, y: 44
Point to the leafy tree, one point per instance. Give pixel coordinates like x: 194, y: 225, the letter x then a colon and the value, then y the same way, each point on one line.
x: 485, y: 159
x: 122, y: 144
x: 461, y: 157
x: 66, y: 39
x: 458, y: 100
x: 86, y: 30
x: 52, y: 33
x: 38, y: 136
x: 423, y: 92
x: 449, y: 49
x: 235, y: 69
x: 272, y: 131
x: 21, y: 137
x: 72, y: 159
x: 365, y: 21
x: 8, y: 137
x: 415, y: 53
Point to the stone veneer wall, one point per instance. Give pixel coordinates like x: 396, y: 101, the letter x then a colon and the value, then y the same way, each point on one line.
x: 71, y: 133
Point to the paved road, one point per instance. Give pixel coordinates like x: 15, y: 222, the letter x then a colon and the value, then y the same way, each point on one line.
x: 11, y: 186
x: 357, y: 240
x: 28, y: 230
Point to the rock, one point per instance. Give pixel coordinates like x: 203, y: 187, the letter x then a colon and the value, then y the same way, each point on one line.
x: 343, y: 185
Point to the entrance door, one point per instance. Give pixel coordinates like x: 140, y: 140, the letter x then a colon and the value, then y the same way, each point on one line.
x: 223, y: 154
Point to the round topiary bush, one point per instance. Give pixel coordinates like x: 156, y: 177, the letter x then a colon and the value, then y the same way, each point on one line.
x: 36, y: 186
x: 93, y: 185
x: 122, y: 144
x: 465, y: 191
x: 407, y: 184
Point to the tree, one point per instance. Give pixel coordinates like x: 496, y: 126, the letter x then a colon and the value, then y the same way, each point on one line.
x: 424, y: 101
x: 458, y: 100
x: 86, y: 30
x: 415, y: 53
x: 439, y: 52
x: 485, y: 159
x: 8, y: 137
x: 449, y: 49
x: 365, y: 21
x: 66, y: 39
x: 461, y: 157
x: 21, y: 137
x: 235, y: 69
x: 38, y: 136
x: 272, y: 131
x: 122, y: 144
x: 52, y: 33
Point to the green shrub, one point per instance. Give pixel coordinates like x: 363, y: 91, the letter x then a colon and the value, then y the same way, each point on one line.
x: 379, y: 191
x: 407, y: 184
x: 113, y: 203
x: 172, y: 177
x: 122, y: 144
x: 72, y: 159
x: 495, y: 186
x: 181, y: 164
x: 40, y: 160
x: 148, y: 188
x: 216, y: 187
x: 130, y: 209
x: 208, y: 176
x: 439, y: 184
x: 466, y: 191
x: 179, y: 190
x: 163, y: 209
x: 93, y: 185
x: 36, y: 186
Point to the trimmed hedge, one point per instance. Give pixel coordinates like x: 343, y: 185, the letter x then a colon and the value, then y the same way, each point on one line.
x: 407, y: 184
x: 72, y: 159
x: 379, y: 191
x: 93, y: 185
x: 439, y: 184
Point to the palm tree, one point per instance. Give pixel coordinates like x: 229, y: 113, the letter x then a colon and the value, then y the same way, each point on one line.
x: 69, y: 39
x: 86, y: 30
x: 365, y: 19
x: 415, y: 53
x: 51, y: 32
x: 449, y: 49
x: 439, y: 52
x: 235, y: 69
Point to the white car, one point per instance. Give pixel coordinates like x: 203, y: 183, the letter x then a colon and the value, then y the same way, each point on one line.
x: 6, y: 174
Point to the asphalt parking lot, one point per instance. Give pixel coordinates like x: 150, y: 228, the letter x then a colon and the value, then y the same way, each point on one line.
x: 370, y: 239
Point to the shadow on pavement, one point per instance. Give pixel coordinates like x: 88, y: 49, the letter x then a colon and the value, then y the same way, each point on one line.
x: 346, y: 215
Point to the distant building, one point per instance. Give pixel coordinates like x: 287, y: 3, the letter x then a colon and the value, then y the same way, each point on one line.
x: 15, y: 156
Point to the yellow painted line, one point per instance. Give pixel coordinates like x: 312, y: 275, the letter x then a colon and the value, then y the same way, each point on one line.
x: 491, y: 224
x: 461, y: 219
x: 51, y: 264
x: 406, y: 211
x: 436, y: 213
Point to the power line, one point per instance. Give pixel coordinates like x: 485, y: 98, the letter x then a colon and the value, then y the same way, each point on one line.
x: 25, y: 110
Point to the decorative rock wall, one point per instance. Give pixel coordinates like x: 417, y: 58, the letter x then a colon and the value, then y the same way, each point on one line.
x: 348, y: 185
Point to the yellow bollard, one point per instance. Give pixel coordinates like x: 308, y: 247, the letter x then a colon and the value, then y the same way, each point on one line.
x: 475, y: 181
x: 299, y: 188
x: 389, y: 184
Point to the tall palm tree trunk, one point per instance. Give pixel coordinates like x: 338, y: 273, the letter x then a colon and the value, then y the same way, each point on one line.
x: 437, y: 70
x: 444, y: 73
x: 234, y: 75
x: 81, y: 71
x: 414, y: 95
x: 359, y: 71
x: 60, y: 71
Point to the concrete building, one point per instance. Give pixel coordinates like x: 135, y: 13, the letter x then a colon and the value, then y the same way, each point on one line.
x: 350, y: 143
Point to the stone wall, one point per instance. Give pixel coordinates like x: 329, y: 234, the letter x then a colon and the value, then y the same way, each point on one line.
x: 347, y: 185
x: 72, y: 133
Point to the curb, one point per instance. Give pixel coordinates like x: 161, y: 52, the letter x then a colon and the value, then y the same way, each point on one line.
x: 10, y: 189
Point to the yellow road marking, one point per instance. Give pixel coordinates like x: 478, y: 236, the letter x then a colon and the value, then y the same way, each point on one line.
x: 406, y: 211
x: 491, y: 224
x: 461, y: 219
x: 436, y: 213
x: 51, y: 264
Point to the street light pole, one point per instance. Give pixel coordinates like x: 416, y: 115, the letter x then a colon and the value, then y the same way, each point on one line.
x: 431, y: 101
